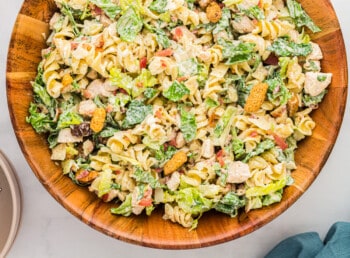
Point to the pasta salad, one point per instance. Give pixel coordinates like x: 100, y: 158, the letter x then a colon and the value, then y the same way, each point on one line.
x: 189, y: 105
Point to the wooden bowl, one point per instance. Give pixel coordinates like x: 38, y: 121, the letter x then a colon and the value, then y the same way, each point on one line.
x: 23, y: 58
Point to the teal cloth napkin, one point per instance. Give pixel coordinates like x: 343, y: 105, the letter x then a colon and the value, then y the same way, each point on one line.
x: 309, y: 245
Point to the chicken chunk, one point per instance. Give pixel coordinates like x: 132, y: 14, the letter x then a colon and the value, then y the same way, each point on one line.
x: 316, y: 82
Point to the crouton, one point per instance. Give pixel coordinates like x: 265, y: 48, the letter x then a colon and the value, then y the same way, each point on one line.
x: 256, y: 97
x: 98, y: 120
x: 175, y: 162
x: 213, y: 12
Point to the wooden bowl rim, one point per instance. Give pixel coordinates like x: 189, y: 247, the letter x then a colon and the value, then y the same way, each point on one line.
x: 246, y: 224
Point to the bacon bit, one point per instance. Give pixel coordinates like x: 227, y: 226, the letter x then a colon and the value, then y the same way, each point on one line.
x: 123, y: 91
x: 158, y: 170
x: 82, y: 174
x: 74, y: 45
x: 181, y: 79
x: 158, y: 114
x: 117, y: 172
x: 139, y: 84
x: 100, y: 43
x: 172, y: 142
x: 97, y: 10
x: 255, y: 22
x: 271, y: 60
x: 280, y: 142
x: 143, y: 62
x: 165, y: 52
x: 220, y: 157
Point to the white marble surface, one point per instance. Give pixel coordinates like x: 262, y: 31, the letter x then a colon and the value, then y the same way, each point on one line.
x: 47, y: 230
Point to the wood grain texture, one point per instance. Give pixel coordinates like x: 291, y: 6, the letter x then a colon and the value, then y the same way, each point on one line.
x: 153, y: 231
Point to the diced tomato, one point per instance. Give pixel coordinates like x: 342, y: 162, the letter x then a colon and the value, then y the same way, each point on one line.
x: 260, y: 4
x: 143, y: 62
x: 181, y: 79
x: 145, y: 202
x: 178, y: 33
x: 280, y: 142
x: 220, y: 157
x: 165, y: 52
x: 254, y: 134
x: 158, y: 114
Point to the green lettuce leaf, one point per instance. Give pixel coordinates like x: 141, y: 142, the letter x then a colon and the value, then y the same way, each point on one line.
x: 265, y: 190
x: 188, y: 125
x: 129, y: 25
x: 283, y: 47
x: 236, y: 53
x: 261, y: 148
x: 229, y: 204
x: 176, y: 91
x: 192, y: 201
x: 159, y: 6
x: 68, y: 118
x: 125, y: 208
x: 111, y: 9
x: 145, y: 177
x: 300, y: 17
x: 136, y: 113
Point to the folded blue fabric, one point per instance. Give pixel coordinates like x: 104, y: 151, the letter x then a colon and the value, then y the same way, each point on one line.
x: 309, y: 245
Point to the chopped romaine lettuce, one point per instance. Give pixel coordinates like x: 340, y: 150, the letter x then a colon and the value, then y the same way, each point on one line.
x: 125, y: 208
x: 192, y: 201
x: 224, y: 121
x: 238, y: 148
x: 277, y: 91
x: 40, y: 121
x: 283, y: 47
x: 236, y: 53
x: 68, y: 11
x: 272, y: 198
x: 111, y: 9
x: 136, y: 113
x: 69, y: 118
x: 300, y: 17
x: 188, y: 125
x: 145, y: 177
x: 121, y: 80
x: 159, y: 6
x: 176, y: 91
x: 229, y: 204
x: 129, y: 25
x: 255, y: 12
x: 163, y: 155
x: 210, y: 103
x: 261, y: 148
x: 310, y: 101
x: 188, y: 67
x: 105, y: 183
x: 150, y: 93
x: 224, y: 22
x: 265, y: 190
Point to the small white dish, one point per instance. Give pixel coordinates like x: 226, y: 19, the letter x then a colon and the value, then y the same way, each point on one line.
x: 10, y: 205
